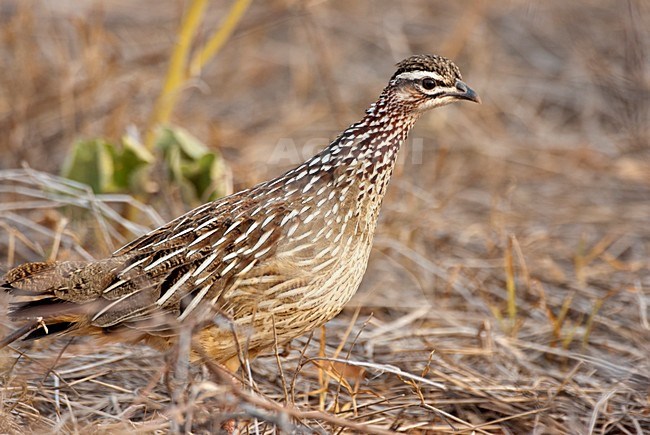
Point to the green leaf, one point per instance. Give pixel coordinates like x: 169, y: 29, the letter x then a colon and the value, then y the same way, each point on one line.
x: 91, y: 162
x: 177, y: 137
x: 198, y: 171
x: 129, y: 163
x: 107, y: 167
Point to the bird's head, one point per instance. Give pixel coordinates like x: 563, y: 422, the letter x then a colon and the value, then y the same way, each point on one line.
x: 425, y: 81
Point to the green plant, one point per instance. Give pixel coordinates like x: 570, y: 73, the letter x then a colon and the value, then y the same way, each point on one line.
x: 127, y: 166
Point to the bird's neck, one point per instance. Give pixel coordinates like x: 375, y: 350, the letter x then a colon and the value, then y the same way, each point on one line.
x: 357, y: 165
x: 367, y: 150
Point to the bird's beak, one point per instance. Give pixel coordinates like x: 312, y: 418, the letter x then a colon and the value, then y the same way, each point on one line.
x: 465, y: 92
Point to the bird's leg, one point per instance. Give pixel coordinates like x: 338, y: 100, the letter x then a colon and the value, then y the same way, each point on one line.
x: 233, y: 365
x: 177, y: 380
x: 230, y: 368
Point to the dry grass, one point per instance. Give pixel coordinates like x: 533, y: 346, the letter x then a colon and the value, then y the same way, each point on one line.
x: 509, y: 287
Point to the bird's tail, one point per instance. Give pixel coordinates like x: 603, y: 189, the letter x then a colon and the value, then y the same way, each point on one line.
x: 36, y: 290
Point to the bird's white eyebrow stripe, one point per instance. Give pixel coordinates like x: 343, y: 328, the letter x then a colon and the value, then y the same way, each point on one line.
x: 414, y: 75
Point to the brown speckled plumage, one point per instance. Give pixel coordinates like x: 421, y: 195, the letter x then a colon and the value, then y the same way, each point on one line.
x: 430, y: 62
x: 286, y: 254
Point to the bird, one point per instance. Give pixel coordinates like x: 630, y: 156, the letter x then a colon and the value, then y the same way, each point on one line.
x: 253, y: 269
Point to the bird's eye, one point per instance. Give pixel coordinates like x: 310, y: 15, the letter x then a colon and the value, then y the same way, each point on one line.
x: 428, y: 84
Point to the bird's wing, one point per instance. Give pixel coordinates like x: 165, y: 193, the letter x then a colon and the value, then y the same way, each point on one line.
x: 166, y: 275
x: 159, y: 279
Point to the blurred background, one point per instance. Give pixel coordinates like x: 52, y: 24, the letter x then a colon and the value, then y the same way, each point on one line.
x: 527, y: 217
x: 560, y: 143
